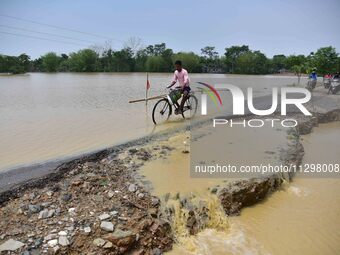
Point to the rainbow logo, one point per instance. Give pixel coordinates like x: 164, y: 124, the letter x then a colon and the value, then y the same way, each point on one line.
x: 212, y: 92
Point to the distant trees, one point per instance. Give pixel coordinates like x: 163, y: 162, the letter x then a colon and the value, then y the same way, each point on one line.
x: 325, y: 60
x: 50, y: 62
x: 190, y: 60
x: 251, y: 62
x: 231, y: 56
x: 159, y: 58
x: 278, y: 63
x: 83, y: 61
x: 12, y: 64
x: 210, y: 59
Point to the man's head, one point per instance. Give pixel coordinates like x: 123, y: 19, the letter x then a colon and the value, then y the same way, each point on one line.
x: 178, y: 65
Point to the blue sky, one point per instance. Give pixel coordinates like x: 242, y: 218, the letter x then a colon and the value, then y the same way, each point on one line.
x: 272, y: 26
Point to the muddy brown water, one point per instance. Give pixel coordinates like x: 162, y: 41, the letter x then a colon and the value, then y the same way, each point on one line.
x: 301, y: 218
x: 51, y: 116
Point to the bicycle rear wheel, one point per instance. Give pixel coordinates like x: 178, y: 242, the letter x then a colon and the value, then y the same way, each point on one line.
x: 161, y: 111
x: 190, y: 107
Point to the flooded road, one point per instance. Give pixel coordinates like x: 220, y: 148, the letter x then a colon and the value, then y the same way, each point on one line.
x: 49, y: 116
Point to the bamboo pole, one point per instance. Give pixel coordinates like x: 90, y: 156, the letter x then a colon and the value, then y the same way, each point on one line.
x: 146, y: 99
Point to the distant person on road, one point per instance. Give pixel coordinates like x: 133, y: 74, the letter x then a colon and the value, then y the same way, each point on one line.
x: 313, y: 76
x: 181, y: 75
x: 336, y: 75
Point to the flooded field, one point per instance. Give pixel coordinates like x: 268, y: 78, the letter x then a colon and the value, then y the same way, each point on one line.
x: 48, y: 116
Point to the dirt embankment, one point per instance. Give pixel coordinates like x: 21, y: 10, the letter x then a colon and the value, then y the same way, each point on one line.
x: 93, y: 207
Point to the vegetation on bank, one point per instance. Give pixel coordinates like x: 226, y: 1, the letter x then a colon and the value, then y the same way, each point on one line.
x: 159, y: 58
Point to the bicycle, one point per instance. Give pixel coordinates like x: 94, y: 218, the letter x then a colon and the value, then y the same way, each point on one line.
x: 163, y: 108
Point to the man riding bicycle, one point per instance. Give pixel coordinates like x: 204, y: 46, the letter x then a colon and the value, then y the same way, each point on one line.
x: 181, y: 75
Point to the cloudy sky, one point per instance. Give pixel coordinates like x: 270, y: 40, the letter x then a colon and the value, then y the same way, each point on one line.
x: 272, y: 26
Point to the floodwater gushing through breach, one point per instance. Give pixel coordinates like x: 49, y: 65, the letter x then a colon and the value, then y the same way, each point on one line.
x: 189, y: 203
x: 192, y: 215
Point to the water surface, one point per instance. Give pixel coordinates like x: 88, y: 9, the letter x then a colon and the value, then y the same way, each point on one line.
x: 47, y: 116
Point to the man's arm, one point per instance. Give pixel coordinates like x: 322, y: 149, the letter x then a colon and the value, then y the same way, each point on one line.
x: 174, y: 80
x: 186, y: 78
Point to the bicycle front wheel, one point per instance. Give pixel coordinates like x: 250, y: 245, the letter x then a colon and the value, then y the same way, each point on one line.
x: 161, y: 111
x: 190, y: 107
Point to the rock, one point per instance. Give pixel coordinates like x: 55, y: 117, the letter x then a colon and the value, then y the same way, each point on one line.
x: 121, y: 238
x: 156, y: 251
x: 46, y: 204
x: 108, y: 245
x: 62, y: 233
x: 87, y: 230
x: 140, y: 195
x: 63, y: 241
x: 11, y: 245
x: 46, y: 214
x: 155, y: 201
x: 38, y: 242
x: 244, y: 193
x: 114, y: 213
x: 66, y: 197
x: 34, y: 208
x: 26, y: 253
x: 72, y: 211
x: 50, y: 237
x: 104, y: 216
x: 110, y: 194
x: 56, y: 249
x: 132, y: 188
x: 50, y: 213
x: 107, y: 226
x: 49, y: 193
x: 214, y: 190
x: 99, y: 242
x: 52, y: 242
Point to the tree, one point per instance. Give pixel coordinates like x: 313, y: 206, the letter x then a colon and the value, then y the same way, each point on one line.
x: 123, y: 60
x: 154, y: 64
x: 252, y: 62
x: 190, y: 61
x: 210, y: 58
x: 299, y: 70
x: 133, y: 43
x: 325, y: 60
x: 278, y: 62
x: 232, y: 54
x: 83, y: 61
x: 50, y: 62
x: 295, y: 60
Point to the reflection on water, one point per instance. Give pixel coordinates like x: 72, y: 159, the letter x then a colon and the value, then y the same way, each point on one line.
x: 45, y: 116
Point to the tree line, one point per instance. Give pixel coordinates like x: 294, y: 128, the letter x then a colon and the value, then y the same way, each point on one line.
x: 159, y: 58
